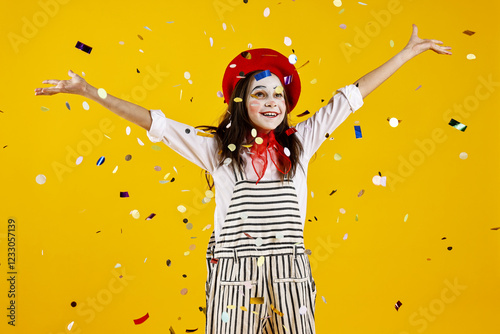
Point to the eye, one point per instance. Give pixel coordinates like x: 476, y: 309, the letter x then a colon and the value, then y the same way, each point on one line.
x: 258, y: 95
x: 279, y: 95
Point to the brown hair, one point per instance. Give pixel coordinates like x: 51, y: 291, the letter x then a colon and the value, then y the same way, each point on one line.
x: 240, y: 127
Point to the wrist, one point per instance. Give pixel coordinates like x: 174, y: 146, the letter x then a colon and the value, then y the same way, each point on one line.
x: 406, y: 54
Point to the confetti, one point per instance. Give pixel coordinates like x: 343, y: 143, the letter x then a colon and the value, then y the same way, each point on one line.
x: 156, y: 148
x: 114, y: 170
x: 337, y: 3
x: 304, y: 113
x: 288, y: 41
x: 357, y: 131
x: 303, y: 310
x: 259, y: 242
x: 181, y: 208
x: 406, y: 218
x: 135, y: 214
x: 262, y: 75
x: 83, y: 47
x: 140, y: 37
x: 128, y: 157
x: 495, y: 228
x: 418, y: 87
x: 393, y: 122
x: 292, y: 59
x: 468, y: 32
x: 471, y: 56
x: 238, y: 99
x: 286, y: 151
x: 267, y: 11
x: 342, y: 210
x: 361, y: 3
x: 184, y: 291
x: 276, y: 311
x: 40, y: 179
x: 189, y: 226
x: 231, y: 147
x: 140, y: 142
x: 259, y: 140
x: 227, y: 161
x: 79, y: 160
x: 457, y: 125
x: 333, y: 192
x: 398, y: 305
x: 68, y: 106
x: 391, y: 43
x: 102, y: 93
x: 44, y: 109
x: 100, y: 161
x: 314, y: 81
x: 361, y: 193
x: 187, y: 75
x: 70, y: 325
x: 243, y: 308
x: 169, y: 263
x: 343, y: 26
x: 224, y: 317
x: 73, y: 304
x: 324, y: 300
x: 463, y: 155
x: 124, y: 194
x: 85, y: 105
x: 141, y: 319
x: 337, y: 157
x: 449, y: 248
x: 279, y: 90
x: 376, y: 180
x: 345, y: 237
x: 260, y: 261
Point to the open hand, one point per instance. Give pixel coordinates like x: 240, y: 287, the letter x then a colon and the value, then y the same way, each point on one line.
x: 416, y: 45
x: 76, y: 85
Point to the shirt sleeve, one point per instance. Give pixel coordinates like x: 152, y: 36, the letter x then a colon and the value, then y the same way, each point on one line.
x: 314, y: 129
x: 185, y: 140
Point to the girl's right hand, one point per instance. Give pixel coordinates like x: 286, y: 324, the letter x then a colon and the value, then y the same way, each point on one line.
x: 76, y: 85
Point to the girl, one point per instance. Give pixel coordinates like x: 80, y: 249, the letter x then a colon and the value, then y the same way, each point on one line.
x: 256, y: 258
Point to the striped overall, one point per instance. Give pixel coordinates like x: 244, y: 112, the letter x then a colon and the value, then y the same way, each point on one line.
x: 259, y: 277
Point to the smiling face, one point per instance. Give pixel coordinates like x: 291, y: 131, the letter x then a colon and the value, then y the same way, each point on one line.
x: 265, y: 103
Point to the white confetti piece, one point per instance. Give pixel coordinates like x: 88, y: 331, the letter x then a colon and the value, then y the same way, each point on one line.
x: 40, y: 179
x: 463, y: 155
x: 288, y: 41
x: 267, y: 11
x: 79, y: 160
x: 345, y: 237
x: 102, y: 93
x: 85, y: 105
x: 135, y: 214
x: 393, y: 122
x: 118, y: 265
x: 471, y: 56
x: 181, y: 208
x: 303, y: 310
x: 140, y: 142
x: 211, y: 41
x: 187, y: 75
x: 337, y: 3
x: 114, y: 170
x: 70, y: 325
x: 128, y: 130
x: 292, y: 59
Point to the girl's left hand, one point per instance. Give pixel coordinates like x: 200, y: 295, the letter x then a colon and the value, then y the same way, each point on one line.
x: 416, y: 45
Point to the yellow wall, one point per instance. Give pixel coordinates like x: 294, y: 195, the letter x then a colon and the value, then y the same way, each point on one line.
x: 384, y: 258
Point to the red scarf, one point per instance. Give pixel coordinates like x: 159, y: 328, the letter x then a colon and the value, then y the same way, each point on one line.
x: 276, y: 152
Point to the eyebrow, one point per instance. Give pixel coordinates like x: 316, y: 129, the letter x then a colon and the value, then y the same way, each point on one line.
x: 261, y: 87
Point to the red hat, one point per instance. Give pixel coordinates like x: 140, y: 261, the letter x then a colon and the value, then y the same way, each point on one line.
x: 264, y: 60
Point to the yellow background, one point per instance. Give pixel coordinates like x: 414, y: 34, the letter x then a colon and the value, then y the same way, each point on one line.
x: 383, y: 259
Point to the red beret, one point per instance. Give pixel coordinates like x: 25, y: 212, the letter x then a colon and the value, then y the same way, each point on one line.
x: 262, y: 60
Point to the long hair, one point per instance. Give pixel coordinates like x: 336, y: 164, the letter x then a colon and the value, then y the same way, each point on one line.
x: 240, y: 126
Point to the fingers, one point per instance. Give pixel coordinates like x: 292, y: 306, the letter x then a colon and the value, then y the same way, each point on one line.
x: 415, y: 30
x: 47, y: 91
x: 52, y: 82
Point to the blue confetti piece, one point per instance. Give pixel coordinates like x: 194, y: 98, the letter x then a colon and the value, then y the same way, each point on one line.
x: 146, y: 27
x: 67, y: 106
x: 100, y: 161
x: 357, y: 131
x: 83, y: 47
x: 262, y: 75
x: 457, y: 125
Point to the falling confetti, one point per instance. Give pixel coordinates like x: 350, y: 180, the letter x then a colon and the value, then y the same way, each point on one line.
x: 468, y: 32
x: 102, y: 93
x: 124, y: 194
x: 44, y: 109
x: 140, y: 142
x: 292, y: 59
x: 40, y: 179
x: 337, y: 157
x: 303, y: 310
x: 361, y: 193
x: 181, y: 208
x: 238, y: 99
x: 184, y: 291
x: 406, y: 218
x: 463, y: 155
x: 393, y: 122
x: 391, y: 43
x: 260, y: 261
x: 337, y: 3
x: 267, y: 11
x: 471, y: 56
x: 457, y: 125
x: 304, y: 113
x: 135, y: 214
x: 100, y: 161
x: 141, y: 319
x: 85, y: 105
x: 68, y: 106
x: 288, y: 41
x: 79, y: 160
x: 343, y: 26
x: 70, y: 325
x: 224, y: 317
x: 83, y: 47
x: 345, y: 237
x: 398, y: 305
x: 357, y: 131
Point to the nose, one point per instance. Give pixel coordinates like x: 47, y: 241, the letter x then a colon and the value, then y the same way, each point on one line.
x: 271, y: 103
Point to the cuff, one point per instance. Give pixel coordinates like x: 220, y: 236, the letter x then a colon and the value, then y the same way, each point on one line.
x: 155, y: 132
x: 353, y: 96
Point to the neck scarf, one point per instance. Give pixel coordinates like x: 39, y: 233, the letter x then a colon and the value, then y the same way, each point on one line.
x: 276, y: 152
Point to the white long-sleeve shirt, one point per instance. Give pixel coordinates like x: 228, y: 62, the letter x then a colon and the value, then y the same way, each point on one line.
x: 203, y: 151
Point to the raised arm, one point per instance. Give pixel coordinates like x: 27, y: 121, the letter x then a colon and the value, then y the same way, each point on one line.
x: 415, y: 46
x: 77, y: 85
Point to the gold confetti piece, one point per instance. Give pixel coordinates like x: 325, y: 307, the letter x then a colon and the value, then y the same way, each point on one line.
x: 231, y: 147
x: 361, y: 193
x: 279, y: 90
x: 259, y: 140
x: 337, y: 157
x: 102, y: 93
x: 257, y: 300
x: 260, y: 261
x: 45, y: 109
x: 471, y: 56
x: 238, y: 99
x: 249, y: 145
x: 468, y: 32
x: 181, y: 208
x: 307, y: 62
x: 254, y: 133
x: 356, y: 218
x: 314, y: 81
x: 276, y: 311
x: 391, y: 43
x: 135, y: 214
x: 406, y: 218
x: 231, y: 307
x: 140, y: 37
x: 204, y: 134
x: 337, y: 3
x: 186, y: 253
x: 166, y: 176
x: 255, y: 312
x: 243, y: 308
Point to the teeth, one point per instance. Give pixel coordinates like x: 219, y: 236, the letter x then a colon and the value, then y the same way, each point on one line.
x: 270, y: 114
